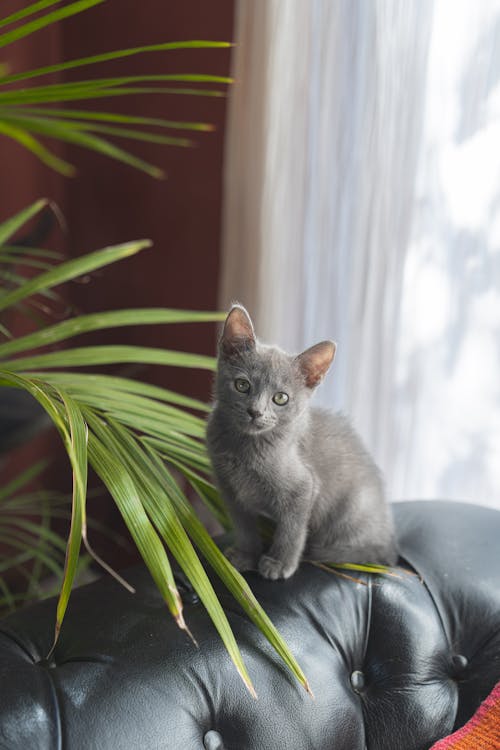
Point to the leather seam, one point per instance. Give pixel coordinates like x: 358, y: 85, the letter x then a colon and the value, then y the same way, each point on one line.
x: 432, y: 598
x: 439, y: 613
x: 365, y: 648
x: 368, y: 616
x: 57, y: 711
x: 484, y: 643
x: 22, y: 646
x: 53, y: 692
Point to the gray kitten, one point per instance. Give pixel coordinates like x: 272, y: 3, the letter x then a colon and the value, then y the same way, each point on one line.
x: 275, y: 455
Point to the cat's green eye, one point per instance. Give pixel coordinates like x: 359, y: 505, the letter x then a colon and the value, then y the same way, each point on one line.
x: 280, y: 398
x: 242, y: 385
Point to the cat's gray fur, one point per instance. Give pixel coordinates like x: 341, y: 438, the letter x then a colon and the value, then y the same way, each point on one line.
x: 303, y: 467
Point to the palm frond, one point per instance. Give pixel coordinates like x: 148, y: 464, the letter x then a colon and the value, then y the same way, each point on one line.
x: 47, y: 20
x: 27, y: 11
x: 72, y: 269
x: 24, y: 138
x: 105, y: 320
x: 132, y: 429
x: 113, y: 117
x: 30, y: 547
x: 25, y: 124
x: 9, y: 227
x: 115, y: 55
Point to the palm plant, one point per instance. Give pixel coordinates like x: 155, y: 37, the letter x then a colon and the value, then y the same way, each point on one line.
x: 136, y: 436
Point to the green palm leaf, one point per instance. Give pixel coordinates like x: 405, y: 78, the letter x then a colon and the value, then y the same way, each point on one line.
x: 74, y: 92
x: 54, y: 127
x: 17, y: 482
x: 71, y: 269
x: 205, y: 490
x: 98, y: 321
x: 90, y: 356
x: 82, y: 114
x: 28, y: 11
x: 9, y: 227
x: 126, y: 495
x: 123, y: 385
x: 22, y: 135
x: 115, y: 55
x: 75, y: 443
x: 24, y: 138
x: 23, y: 124
x: 58, y: 15
x: 100, y: 83
x: 23, y: 255
x: 75, y: 439
x: 145, y: 414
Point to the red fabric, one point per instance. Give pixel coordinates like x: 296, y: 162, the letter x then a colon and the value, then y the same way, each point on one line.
x: 482, y: 731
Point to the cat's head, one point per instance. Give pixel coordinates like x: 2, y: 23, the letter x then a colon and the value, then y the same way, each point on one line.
x: 261, y: 388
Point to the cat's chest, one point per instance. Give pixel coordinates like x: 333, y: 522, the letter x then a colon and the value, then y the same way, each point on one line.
x: 260, y: 479
x: 268, y: 468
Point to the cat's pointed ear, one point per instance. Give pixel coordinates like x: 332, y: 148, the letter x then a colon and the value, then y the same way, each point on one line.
x: 238, y: 334
x: 314, y: 362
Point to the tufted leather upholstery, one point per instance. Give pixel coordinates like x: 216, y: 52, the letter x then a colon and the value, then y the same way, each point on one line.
x: 394, y: 664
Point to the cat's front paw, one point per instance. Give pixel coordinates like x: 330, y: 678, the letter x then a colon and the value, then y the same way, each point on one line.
x: 274, y: 569
x: 241, y: 560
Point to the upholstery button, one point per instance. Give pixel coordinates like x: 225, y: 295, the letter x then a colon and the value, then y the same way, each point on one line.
x: 213, y: 741
x: 358, y: 681
x: 459, y: 662
x: 46, y: 663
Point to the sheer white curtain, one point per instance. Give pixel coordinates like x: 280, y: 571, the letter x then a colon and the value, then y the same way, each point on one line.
x: 447, y: 395
x: 348, y: 130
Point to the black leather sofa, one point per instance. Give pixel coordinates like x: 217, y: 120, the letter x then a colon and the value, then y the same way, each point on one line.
x: 394, y: 664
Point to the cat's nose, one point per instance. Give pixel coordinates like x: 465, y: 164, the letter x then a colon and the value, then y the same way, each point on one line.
x: 254, y: 413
